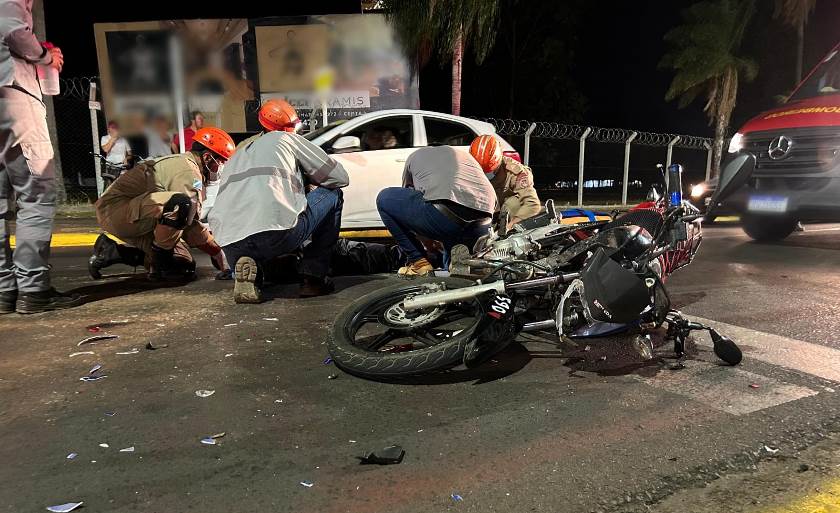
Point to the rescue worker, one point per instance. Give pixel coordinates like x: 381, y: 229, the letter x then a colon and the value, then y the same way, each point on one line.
x: 445, y: 197
x: 269, y: 113
x: 27, y: 170
x: 512, y: 181
x: 154, y: 208
x: 277, y: 192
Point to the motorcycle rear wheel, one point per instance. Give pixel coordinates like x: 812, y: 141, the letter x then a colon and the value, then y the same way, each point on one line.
x: 402, y: 343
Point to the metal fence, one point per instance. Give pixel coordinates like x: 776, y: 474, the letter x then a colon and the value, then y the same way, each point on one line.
x: 574, y: 164
x: 562, y: 150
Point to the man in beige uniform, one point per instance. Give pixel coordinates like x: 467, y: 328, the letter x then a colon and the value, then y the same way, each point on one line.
x: 154, y: 207
x: 512, y: 181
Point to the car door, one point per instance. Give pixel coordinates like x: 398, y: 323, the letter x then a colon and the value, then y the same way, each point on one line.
x: 386, y: 143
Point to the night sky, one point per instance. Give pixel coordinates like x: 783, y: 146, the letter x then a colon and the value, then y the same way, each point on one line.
x: 614, y: 65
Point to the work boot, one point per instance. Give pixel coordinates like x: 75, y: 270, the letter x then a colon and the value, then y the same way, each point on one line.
x: 7, y: 301
x: 313, y: 286
x: 107, y: 252
x: 417, y: 268
x: 162, y: 265
x: 45, y: 301
x: 245, y: 288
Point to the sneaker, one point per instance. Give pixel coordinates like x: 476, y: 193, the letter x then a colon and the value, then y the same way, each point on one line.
x: 420, y: 267
x: 7, y: 301
x: 313, y: 287
x: 45, y: 301
x: 245, y: 288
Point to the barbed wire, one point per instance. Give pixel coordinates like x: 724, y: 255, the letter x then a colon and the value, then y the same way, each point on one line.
x: 550, y: 130
x: 77, y: 88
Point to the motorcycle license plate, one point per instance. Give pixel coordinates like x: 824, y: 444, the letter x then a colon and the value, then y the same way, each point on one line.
x: 776, y: 204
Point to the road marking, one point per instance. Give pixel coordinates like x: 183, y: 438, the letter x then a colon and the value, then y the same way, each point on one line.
x: 826, y: 499
x: 805, y: 357
x: 725, y: 388
x: 69, y: 240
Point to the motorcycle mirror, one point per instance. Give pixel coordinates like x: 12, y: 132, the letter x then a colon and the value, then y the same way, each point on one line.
x: 725, y: 348
x: 732, y: 178
x: 653, y: 194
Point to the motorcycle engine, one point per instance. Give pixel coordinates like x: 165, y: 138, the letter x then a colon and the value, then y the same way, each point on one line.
x: 512, y: 248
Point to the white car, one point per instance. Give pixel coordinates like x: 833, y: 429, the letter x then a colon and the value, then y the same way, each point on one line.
x: 373, y: 148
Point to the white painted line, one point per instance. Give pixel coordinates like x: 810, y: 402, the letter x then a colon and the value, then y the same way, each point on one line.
x: 805, y: 357
x: 726, y: 388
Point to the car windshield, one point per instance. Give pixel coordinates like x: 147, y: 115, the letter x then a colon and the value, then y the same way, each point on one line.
x: 823, y: 81
x: 315, y: 133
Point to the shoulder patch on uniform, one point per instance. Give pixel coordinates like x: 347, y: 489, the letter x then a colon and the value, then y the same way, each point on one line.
x: 523, y: 180
x: 197, y: 185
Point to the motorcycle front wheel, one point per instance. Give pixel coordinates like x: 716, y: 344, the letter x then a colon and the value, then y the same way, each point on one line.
x: 375, y: 337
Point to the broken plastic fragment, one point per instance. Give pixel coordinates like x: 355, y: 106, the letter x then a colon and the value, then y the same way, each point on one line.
x: 228, y: 355
x: 753, y: 385
x: 270, y: 319
x: 307, y: 484
x: 96, y: 338
x: 456, y: 497
x: 133, y: 350
x: 64, y: 508
x: 94, y: 329
x: 771, y: 450
x: 128, y: 449
x: 332, y: 376
x: 81, y: 352
x: 104, y: 446
x: 204, y: 393
x: 391, y: 455
x: 93, y: 378
x: 95, y: 369
x: 587, y: 348
x: 208, y: 441
x: 231, y: 324
x: 72, y: 456
x: 328, y: 360
x: 150, y: 347
x: 110, y: 413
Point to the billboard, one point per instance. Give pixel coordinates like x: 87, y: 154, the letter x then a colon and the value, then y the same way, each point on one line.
x: 338, y: 65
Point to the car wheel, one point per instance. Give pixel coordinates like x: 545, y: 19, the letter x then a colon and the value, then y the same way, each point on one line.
x: 764, y: 228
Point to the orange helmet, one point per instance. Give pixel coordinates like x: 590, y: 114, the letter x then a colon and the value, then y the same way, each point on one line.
x: 216, y: 140
x: 487, y: 151
x: 279, y: 115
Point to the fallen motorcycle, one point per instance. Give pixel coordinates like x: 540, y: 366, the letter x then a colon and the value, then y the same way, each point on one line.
x: 580, y: 280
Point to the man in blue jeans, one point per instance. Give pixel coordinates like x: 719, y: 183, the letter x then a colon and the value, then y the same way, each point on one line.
x: 445, y: 197
x: 263, y: 209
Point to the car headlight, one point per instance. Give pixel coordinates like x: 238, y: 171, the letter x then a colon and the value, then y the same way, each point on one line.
x: 737, y: 143
x: 698, y: 190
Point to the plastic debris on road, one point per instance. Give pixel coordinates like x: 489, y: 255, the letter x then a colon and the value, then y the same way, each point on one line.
x: 95, y: 369
x: 228, y: 355
x: 151, y: 347
x: 132, y: 351
x: 456, y: 497
x: 96, y: 338
x: 307, y: 484
x: 587, y: 348
x: 332, y: 376
x: 204, y: 393
x: 231, y: 324
x: 93, y: 378
x: 391, y: 455
x: 128, y: 449
x: 771, y: 450
x: 94, y: 329
x: 104, y: 446
x: 328, y: 360
x: 110, y: 413
x: 270, y: 319
x: 754, y: 385
x: 72, y: 456
x: 211, y: 440
x: 80, y: 353
x: 64, y: 508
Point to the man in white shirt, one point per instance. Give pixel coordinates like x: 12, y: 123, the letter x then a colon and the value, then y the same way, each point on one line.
x: 116, y: 148
x: 263, y: 209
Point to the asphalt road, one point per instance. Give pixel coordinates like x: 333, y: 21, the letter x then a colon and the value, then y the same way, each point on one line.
x: 544, y: 428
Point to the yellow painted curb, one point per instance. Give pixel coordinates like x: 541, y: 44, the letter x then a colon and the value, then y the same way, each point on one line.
x: 826, y: 500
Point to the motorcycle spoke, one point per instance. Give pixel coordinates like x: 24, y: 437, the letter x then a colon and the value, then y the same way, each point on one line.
x: 376, y: 342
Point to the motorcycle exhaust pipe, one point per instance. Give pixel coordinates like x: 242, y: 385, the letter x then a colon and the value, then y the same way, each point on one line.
x: 445, y: 297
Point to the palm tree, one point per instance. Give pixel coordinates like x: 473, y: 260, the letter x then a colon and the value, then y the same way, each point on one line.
x: 705, y: 57
x: 795, y: 13
x: 446, y: 27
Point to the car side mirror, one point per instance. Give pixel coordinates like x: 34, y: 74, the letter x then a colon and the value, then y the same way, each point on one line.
x: 347, y: 144
x: 732, y: 178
